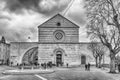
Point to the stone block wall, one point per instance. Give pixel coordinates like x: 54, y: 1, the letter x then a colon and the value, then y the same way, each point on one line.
x: 47, y: 34
x: 46, y: 52
x: 18, y: 49
x: 72, y: 53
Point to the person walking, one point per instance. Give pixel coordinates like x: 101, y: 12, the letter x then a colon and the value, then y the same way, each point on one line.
x: 67, y: 65
x: 88, y: 66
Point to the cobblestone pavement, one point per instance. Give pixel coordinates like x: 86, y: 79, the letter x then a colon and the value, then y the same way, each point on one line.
x: 20, y: 77
x: 81, y: 74
x: 15, y: 77
x: 114, y: 76
x: 2, y: 68
x: 78, y: 73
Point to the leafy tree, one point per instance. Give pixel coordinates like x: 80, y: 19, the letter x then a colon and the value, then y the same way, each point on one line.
x: 103, y: 24
x: 8, y: 61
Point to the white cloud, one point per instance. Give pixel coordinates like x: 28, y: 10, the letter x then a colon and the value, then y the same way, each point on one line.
x: 47, y: 5
x: 77, y: 14
x: 21, y: 26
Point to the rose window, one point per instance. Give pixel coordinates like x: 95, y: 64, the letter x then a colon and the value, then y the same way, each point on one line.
x: 59, y: 35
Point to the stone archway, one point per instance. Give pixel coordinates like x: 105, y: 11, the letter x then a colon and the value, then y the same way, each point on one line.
x: 83, y: 59
x: 30, y: 57
x: 59, y: 56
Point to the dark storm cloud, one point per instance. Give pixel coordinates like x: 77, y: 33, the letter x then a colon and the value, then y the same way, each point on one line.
x: 2, y: 17
x: 18, y: 5
x: 41, y: 6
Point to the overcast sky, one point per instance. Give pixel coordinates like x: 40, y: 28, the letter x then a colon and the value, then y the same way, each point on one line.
x: 19, y: 18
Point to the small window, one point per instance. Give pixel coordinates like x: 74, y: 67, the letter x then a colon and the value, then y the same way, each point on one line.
x: 58, y: 24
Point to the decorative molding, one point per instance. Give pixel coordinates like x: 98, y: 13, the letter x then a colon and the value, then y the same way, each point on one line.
x: 59, y: 35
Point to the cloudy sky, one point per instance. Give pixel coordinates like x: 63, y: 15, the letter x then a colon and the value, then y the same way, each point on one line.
x: 19, y: 18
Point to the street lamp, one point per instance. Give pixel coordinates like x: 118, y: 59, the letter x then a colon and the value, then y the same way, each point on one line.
x: 29, y: 39
x: 103, y: 60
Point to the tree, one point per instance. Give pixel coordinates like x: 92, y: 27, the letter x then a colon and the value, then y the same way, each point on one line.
x: 98, y: 51
x: 103, y: 24
x: 118, y: 62
x: 7, y: 62
x: 92, y: 47
x: 118, y: 59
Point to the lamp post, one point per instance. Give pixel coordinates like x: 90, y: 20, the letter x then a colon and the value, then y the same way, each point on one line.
x: 29, y: 39
x: 103, y: 61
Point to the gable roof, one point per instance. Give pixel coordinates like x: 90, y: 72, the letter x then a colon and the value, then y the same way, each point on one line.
x: 60, y: 16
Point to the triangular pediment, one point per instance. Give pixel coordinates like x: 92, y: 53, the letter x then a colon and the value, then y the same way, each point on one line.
x: 58, y: 21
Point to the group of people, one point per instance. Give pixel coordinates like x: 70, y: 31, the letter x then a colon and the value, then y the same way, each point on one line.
x: 46, y: 65
x: 87, y: 67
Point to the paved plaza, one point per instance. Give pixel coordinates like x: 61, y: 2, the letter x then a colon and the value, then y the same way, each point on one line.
x: 78, y: 73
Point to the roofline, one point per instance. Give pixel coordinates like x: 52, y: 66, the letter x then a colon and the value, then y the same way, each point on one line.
x: 23, y: 42
x: 70, y: 21
x: 55, y: 42
x: 48, y: 20
x: 64, y: 43
x: 59, y: 27
x: 55, y: 27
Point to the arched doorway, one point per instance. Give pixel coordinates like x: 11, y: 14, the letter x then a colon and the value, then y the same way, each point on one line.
x: 59, y: 58
x: 30, y: 57
x: 59, y: 55
x: 83, y: 59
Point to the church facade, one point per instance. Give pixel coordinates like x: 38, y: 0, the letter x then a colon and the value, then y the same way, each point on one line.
x: 58, y: 42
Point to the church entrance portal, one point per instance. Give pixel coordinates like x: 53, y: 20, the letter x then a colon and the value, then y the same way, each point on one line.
x: 83, y: 59
x: 59, y: 58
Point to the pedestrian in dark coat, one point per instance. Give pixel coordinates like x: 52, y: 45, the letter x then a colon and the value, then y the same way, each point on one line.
x: 67, y: 65
x: 88, y: 66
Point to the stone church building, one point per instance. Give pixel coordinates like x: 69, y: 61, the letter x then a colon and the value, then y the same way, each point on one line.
x: 58, y: 42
